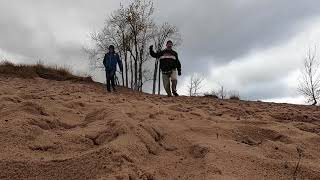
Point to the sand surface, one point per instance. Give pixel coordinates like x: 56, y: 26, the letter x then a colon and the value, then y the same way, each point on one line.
x: 65, y: 130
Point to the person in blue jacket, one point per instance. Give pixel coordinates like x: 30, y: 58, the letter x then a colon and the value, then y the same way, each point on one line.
x: 110, y: 61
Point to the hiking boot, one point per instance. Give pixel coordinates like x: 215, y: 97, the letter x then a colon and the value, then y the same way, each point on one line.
x: 114, y: 89
x: 175, y: 94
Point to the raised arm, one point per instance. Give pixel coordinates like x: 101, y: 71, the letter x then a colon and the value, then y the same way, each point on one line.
x: 154, y: 54
x: 105, y: 60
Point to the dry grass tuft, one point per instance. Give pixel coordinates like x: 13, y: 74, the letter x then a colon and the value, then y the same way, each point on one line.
x: 235, y: 98
x: 39, y: 70
x: 211, y: 96
x: 234, y: 95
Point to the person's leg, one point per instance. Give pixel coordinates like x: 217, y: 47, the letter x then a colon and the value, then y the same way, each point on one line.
x: 174, y: 81
x: 112, y: 75
x: 108, y: 77
x: 166, y: 83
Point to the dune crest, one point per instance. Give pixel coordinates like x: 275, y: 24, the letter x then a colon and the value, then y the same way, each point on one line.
x: 75, y: 130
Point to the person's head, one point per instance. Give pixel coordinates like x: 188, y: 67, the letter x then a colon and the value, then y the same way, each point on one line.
x: 111, y: 48
x: 169, y: 44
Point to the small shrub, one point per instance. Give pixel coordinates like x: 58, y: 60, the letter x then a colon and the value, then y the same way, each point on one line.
x: 211, y: 96
x: 234, y: 95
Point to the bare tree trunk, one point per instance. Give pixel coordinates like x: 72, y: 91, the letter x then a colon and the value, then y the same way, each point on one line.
x: 126, y: 67
x: 313, y: 90
x: 131, y: 68
x: 136, y: 63
x: 135, y: 74
x: 140, y: 76
x: 222, y: 92
x: 155, y: 74
x: 122, y: 76
x: 125, y: 52
x: 159, y: 85
x: 140, y: 68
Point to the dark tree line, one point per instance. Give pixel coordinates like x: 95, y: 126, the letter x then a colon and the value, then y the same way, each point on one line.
x: 132, y: 29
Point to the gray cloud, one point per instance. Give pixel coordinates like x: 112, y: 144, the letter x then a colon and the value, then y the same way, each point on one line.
x: 229, y: 29
x: 267, y: 90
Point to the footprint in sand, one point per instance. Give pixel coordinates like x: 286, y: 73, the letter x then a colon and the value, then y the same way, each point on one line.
x: 33, y: 108
x: 199, y: 151
x: 253, y: 135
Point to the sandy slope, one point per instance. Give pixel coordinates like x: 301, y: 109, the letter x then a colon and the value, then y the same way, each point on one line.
x: 64, y: 130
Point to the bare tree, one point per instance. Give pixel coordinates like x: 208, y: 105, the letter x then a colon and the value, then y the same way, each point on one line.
x: 131, y: 29
x: 114, y: 32
x: 139, y: 19
x: 195, y: 84
x: 309, y: 85
x: 222, y: 92
x: 122, y: 37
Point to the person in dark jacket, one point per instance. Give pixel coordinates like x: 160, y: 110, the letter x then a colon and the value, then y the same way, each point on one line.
x: 170, y: 67
x: 110, y: 61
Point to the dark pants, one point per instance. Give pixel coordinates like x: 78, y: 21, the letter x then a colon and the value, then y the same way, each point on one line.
x: 110, y: 79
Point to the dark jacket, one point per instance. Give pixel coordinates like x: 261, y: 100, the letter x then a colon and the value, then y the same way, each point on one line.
x: 111, y: 60
x: 168, y: 60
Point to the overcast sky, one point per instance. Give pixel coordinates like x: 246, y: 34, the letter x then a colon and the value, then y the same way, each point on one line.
x: 253, y: 46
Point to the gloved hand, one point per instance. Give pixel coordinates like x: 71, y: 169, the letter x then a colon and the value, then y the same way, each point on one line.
x: 151, y: 47
x: 179, y: 73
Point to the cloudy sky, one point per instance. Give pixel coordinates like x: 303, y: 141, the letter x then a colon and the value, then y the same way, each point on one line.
x: 253, y: 46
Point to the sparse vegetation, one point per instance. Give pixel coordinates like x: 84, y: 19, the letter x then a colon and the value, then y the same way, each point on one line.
x: 57, y: 73
x: 211, y: 95
x: 300, y: 153
x: 222, y: 93
x: 234, y: 95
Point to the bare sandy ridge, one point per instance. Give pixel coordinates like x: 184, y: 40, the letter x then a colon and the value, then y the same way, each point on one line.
x: 67, y: 130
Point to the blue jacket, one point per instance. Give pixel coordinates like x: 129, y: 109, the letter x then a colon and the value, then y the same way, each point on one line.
x: 111, y: 60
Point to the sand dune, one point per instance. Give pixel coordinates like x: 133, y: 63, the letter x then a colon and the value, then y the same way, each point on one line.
x: 73, y: 130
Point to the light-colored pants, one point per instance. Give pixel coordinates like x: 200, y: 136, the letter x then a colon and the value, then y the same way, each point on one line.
x: 167, y: 77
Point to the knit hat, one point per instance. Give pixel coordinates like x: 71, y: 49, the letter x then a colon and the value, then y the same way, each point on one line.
x: 111, y: 47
